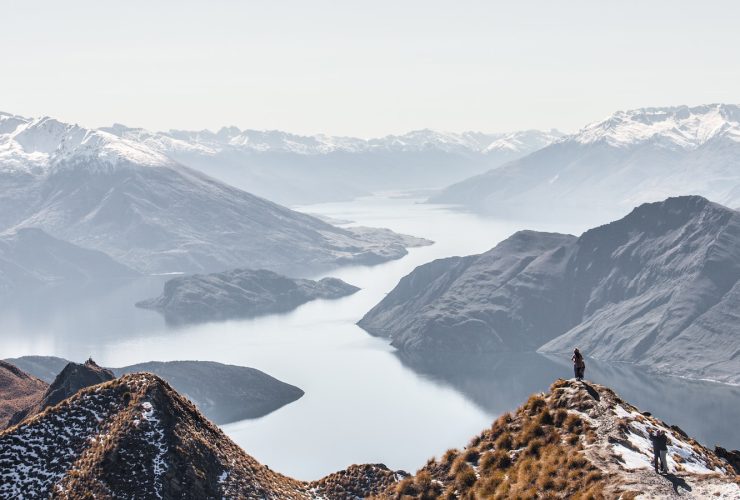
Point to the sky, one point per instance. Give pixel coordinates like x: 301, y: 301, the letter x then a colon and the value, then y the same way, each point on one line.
x: 365, y: 69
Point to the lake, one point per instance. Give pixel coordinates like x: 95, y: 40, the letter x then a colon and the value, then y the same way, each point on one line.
x: 364, y: 402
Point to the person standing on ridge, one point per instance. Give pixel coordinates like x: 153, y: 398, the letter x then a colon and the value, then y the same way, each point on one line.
x: 579, y: 365
x: 659, y: 439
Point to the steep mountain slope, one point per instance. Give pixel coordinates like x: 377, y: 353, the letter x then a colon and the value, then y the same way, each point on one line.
x: 224, y: 393
x: 239, y: 293
x: 658, y: 285
x: 45, y: 368
x: 630, y: 158
x: 135, y: 437
x: 577, y: 441
x: 291, y: 169
x: 72, y: 378
x: 505, y: 299
x: 29, y: 257
x: 100, y: 191
x: 18, y: 391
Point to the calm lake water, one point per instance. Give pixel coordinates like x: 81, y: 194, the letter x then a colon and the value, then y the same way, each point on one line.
x: 364, y: 402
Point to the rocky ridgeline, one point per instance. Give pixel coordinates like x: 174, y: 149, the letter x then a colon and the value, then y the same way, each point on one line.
x: 580, y: 440
x: 135, y: 437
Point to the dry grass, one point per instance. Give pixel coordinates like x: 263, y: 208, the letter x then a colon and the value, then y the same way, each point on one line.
x: 535, y: 452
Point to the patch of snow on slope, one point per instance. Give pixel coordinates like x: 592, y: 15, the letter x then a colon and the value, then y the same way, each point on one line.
x: 25, y: 468
x: 154, y: 435
x: 641, y: 454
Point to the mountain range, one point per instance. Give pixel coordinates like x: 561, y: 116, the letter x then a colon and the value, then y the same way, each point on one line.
x: 609, y: 166
x: 657, y: 286
x: 98, y: 191
x: 136, y: 437
x: 294, y: 169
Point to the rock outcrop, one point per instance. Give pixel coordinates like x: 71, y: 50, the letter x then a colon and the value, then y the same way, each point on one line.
x: 239, y: 293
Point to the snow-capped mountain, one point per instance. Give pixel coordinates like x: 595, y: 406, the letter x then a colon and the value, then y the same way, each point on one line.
x: 101, y: 191
x: 285, y: 142
x: 34, y: 146
x: 631, y: 157
x: 681, y: 127
x: 291, y: 168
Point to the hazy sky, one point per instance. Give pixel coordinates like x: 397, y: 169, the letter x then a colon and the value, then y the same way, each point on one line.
x: 363, y: 68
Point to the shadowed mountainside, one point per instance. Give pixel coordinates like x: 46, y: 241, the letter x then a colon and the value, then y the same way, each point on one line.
x: 658, y: 285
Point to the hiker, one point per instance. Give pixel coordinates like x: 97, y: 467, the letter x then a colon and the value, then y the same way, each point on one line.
x: 579, y: 365
x: 660, y: 449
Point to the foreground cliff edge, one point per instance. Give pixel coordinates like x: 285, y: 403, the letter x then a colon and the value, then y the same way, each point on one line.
x: 135, y: 437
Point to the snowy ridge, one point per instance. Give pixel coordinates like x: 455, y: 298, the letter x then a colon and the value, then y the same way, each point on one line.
x: 207, y: 142
x: 681, y: 127
x: 35, y: 146
x: 36, y: 456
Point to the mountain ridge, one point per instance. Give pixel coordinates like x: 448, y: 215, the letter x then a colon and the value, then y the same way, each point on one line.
x: 136, y: 437
x: 632, y: 157
x: 657, y: 285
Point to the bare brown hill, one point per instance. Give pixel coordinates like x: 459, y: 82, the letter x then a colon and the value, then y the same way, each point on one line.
x: 18, y: 391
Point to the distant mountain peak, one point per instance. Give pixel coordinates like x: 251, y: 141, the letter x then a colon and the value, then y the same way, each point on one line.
x: 42, y: 145
x: 681, y: 127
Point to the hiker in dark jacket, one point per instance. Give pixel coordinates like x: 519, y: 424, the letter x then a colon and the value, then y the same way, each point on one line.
x: 579, y: 365
x: 660, y: 450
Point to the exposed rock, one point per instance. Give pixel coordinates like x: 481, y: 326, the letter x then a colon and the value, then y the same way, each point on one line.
x: 239, y: 293
x: 731, y: 456
x: 658, y: 285
x: 18, y: 391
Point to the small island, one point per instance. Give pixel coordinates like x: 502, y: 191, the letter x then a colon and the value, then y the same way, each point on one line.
x: 239, y: 293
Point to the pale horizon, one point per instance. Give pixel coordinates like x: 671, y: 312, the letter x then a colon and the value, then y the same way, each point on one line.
x: 364, y: 70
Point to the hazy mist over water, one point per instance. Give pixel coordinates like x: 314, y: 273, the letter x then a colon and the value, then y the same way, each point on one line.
x: 364, y: 402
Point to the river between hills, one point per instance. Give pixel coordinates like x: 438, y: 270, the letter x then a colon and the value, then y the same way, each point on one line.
x: 364, y: 402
